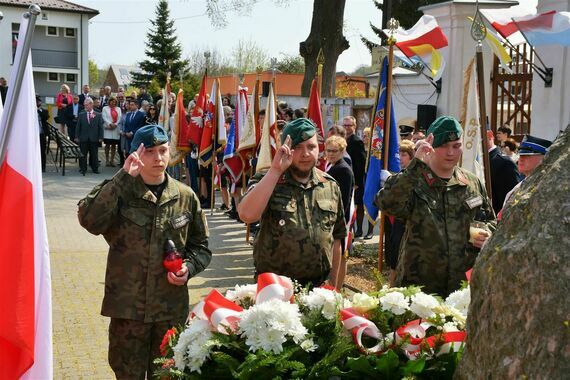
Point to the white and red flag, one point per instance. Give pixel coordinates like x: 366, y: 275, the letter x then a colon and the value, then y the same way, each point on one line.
x: 25, y: 296
x: 502, y: 21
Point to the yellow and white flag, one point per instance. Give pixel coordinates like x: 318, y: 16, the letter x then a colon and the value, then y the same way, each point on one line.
x: 472, y: 158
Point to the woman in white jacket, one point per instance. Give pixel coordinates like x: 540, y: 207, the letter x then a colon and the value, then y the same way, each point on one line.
x: 111, y: 134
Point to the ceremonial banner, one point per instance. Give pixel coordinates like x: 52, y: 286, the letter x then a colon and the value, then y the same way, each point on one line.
x: 220, y: 116
x: 315, y: 115
x: 193, y: 134
x: 177, y: 152
x: 25, y: 296
x: 376, y: 151
x: 208, y: 139
x: 247, y: 124
x: 268, y: 144
x: 502, y: 21
x: 164, y: 116
x: 472, y: 158
x: 232, y: 160
x: 423, y: 42
x: 550, y: 28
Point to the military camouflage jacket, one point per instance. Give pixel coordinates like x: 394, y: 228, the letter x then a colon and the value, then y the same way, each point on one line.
x: 136, y: 227
x: 435, y: 251
x: 299, y: 226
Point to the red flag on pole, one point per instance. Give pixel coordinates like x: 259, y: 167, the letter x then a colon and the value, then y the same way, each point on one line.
x: 315, y: 115
x: 25, y: 298
x: 193, y: 134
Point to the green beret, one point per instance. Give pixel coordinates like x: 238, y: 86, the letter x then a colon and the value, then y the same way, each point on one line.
x: 149, y: 135
x: 300, y: 130
x: 444, y: 130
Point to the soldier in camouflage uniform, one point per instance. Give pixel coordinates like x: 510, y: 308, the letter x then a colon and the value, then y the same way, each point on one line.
x: 300, y: 212
x: 438, y: 200
x: 137, y: 211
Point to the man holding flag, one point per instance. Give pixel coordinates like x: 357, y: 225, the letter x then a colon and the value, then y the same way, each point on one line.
x: 439, y: 202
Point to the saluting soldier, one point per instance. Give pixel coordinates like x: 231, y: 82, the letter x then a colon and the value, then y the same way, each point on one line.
x: 137, y: 212
x: 300, y: 212
x: 439, y: 201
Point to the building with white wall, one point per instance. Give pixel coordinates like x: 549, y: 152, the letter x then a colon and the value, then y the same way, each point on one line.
x: 59, y: 45
x: 551, y: 105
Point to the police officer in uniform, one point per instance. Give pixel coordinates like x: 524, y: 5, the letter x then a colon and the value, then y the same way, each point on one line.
x: 300, y: 212
x: 137, y: 212
x: 438, y: 200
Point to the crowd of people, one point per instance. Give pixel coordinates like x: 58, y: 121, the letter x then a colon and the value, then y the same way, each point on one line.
x: 302, y: 217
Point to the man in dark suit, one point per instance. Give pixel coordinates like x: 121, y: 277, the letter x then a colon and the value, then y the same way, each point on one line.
x: 357, y: 153
x: 134, y: 120
x: 89, y: 134
x: 71, y: 116
x: 43, y: 117
x: 504, y: 174
x: 84, y: 95
x: 3, y: 89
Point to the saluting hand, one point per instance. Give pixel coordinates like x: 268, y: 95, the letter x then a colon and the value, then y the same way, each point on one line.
x: 133, y: 163
x: 283, y: 157
x: 424, y: 149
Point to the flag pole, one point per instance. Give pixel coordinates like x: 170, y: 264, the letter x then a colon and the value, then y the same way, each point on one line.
x: 478, y: 33
x: 32, y: 14
x: 320, y: 63
x: 393, y: 24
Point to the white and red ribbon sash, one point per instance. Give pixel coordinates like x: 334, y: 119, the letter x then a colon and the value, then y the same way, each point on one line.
x: 220, y: 311
x: 359, y: 325
x: 223, y: 314
x: 414, y: 330
x: 271, y: 286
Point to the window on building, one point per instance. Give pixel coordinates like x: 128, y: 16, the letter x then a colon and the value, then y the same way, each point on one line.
x: 53, y: 77
x: 52, y: 31
x: 70, y: 78
x: 15, y: 33
x: 70, y: 32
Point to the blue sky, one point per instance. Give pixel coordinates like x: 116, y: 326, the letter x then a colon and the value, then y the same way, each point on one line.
x: 118, y: 33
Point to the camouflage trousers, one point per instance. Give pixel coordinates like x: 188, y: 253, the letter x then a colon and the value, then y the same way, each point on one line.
x: 133, y: 345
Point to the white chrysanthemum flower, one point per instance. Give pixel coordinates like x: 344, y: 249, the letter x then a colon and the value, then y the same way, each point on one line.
x: 266, y: 326
x: 460, y: 300
x: 423, y: 305
x: 395, y: 302
x: 325, y: 299
x: 309, y: 345
x: 242, y: 292
x: 449, y: 327
x: 362, y: 302
x: 193, y: 346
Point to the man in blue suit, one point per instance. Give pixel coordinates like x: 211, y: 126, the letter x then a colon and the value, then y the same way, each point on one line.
x: 134, y: 120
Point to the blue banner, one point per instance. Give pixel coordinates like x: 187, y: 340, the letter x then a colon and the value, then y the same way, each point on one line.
x: 376, y: 154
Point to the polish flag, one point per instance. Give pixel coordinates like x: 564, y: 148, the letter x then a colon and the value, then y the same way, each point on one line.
x: 25, y: 297
x: 502, y: 21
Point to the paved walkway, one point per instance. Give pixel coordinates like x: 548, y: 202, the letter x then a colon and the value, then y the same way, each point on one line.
x: 78, y: 262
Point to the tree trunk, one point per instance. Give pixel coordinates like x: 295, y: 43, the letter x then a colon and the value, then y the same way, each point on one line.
x: 518, y: 324
x: 326, y: 32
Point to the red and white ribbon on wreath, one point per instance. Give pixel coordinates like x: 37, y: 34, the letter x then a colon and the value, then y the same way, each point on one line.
x: 451, y: 340
x: 272, y: 286
x: 415, y: 331
x: 219, y: 311
x: 359, y: 325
